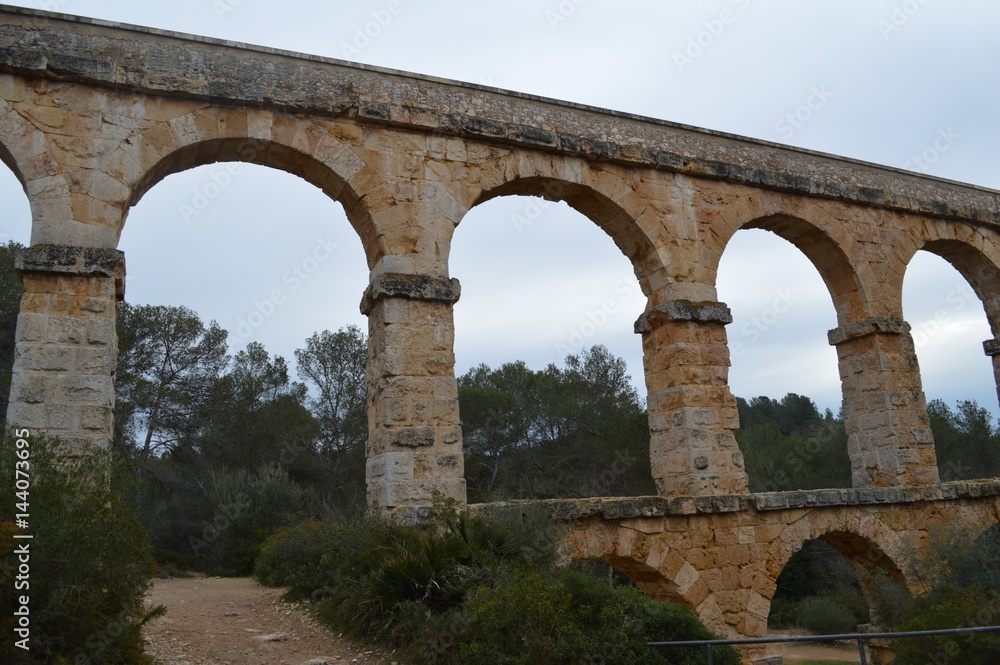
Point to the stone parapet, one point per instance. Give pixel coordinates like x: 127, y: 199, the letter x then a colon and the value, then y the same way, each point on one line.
x: 992, y: 347
x: 638, y: 507
x: 46, y: 45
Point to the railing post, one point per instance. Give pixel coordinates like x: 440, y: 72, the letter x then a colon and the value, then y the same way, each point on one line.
x: 861, y: 650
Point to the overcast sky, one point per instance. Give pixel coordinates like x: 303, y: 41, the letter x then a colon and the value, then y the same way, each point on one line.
x: 885, y: 78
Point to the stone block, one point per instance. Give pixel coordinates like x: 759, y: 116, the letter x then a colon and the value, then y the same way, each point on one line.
x: 389, y: 466
x: 83, y: 390
x: 99, y: 418
x: 101, y: 332
x: 46, y: 358
x: 32, y: 327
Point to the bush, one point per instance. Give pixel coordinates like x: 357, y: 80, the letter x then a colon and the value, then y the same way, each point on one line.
x: 90, y: 560
x: 951, y: 608
x: 854, y: 601
x: 470, y: 590
x: 825, y: 616
x: 247, y: 508
x: 959, y: 569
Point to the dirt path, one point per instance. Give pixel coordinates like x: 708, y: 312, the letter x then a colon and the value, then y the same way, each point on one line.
x: 218, y: 621
x: 233, y: 621
x: 801, y: 653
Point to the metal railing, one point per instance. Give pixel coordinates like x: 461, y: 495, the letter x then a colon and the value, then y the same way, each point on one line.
x: 859, y: 637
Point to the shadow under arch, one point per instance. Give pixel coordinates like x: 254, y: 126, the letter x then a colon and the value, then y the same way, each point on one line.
x: 273, y: 155
x: 596, y: 206
x: 825, y: 253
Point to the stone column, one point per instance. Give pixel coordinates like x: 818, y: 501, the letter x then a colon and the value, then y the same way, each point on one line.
x: 414, y: 436
x: 888, y: 433
x: 67, y: 347
x: 692, y: 414
x: 992, y: 349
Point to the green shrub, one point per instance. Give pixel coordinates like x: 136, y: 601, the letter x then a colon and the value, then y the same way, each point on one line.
x: 526, y: 621
x: 825, y: 616
x: 555, y: 617
x: 470, y: 590
x: 952, y: 608
x: 294, y: 556
x: 960, y: 574
x: 248, y: 508
x: 854, y: 601
x: 784, y: 613
x: 90, y: 560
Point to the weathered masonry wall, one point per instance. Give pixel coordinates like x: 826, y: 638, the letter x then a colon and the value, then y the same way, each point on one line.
x: 93, y: 114
x: 721, y: 556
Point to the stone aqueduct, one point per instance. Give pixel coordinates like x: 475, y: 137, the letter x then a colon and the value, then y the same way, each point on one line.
x: 92, y: 115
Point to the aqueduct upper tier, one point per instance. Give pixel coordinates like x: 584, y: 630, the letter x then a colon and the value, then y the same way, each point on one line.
x: 93, y: 114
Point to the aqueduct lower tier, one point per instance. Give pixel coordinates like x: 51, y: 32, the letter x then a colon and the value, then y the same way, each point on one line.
x: 92, y: 115
x: 721, y: 556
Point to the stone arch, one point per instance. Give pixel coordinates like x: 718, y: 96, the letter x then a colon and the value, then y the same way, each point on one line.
x: 25, y: 150
x: 824, y: 246
x: 604, y: 197
x: 864, y: 540
x: 309, y: 150
x: 974, y: 253
x: 651, y: 563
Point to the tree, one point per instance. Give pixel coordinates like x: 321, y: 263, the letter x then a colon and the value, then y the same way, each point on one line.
x: 168, y: 361
x: 333, y: 364
x: 255, y: 415
x: 788, y: 445
x: 967, y: 440
x: 960, y: 588
x: 578, y: 430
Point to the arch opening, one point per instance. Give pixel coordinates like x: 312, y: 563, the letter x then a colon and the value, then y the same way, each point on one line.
x: 784, y: 373
x: 268, y: 154
x: 598, y: 208
x: 946, y: 289
x: 834, y: 584
x: 15, y: 232
x: 274, y: 261
x: 550, y: 394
